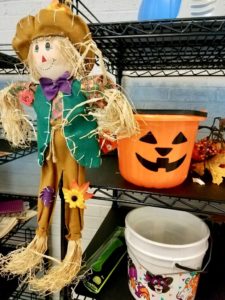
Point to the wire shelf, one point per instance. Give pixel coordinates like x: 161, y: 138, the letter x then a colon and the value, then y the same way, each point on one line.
x: 164, y: 47
x: 188, y: 196
x: 26, y: 295
x: 19, y: 234
x: 9, y: 154
x: 10, y: 64
x: 131, y: 198
x: 178, y: 47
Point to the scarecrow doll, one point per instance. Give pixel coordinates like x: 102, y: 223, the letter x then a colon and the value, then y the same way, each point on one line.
x: 74, y: 111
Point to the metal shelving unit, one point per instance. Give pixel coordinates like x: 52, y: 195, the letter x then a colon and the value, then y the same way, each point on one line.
x: 10, y: 65
x: 19, y: 235
x: 12, y: 153
x: 110, y: 186
x: 177, y: 47
x: 181, y: 47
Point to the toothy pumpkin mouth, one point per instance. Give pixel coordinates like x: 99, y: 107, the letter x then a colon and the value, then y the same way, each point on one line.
x: 161, y: 163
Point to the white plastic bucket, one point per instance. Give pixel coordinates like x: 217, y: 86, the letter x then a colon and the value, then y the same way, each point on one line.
x: 157, y: 240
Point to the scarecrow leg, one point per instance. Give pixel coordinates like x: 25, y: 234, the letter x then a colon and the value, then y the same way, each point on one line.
x: 25, y: 260
x: 62, y: 274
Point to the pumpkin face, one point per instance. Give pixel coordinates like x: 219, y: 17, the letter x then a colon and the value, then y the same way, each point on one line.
x: 162, y: 160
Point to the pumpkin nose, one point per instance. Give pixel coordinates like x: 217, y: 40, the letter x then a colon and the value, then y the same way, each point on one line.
x: 163, y: 151
x: 43, y: 59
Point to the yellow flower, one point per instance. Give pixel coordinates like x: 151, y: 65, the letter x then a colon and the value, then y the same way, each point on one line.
x: 77, y: 195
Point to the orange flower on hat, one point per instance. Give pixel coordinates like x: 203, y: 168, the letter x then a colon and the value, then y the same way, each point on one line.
x: 77, y: 195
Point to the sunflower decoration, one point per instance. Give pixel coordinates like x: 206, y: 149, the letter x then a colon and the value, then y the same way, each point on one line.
x: 77, y: 195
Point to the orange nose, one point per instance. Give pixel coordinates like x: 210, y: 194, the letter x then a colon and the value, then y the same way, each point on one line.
x: 43, y: 59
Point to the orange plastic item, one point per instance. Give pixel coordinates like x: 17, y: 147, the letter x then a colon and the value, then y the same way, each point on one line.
x: 107, y: 145
x: 160, y: 156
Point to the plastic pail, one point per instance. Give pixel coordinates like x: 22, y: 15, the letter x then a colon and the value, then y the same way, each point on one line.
x: 160, y: 155
x: 157, y: 241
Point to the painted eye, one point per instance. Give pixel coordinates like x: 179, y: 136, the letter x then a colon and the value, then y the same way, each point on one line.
x: 36, y: 48
x: 179, y: 139
x: 149, y: 138
x: 47, y: 46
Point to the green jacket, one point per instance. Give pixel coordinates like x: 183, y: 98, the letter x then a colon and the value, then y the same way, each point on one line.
x: 84, y: 150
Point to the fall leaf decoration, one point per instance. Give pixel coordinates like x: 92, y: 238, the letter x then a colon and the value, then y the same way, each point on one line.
x: 209, y: 153
x: 215, y: 165
x: 205, y: 149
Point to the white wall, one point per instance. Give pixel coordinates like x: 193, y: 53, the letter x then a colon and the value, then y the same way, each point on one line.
x: 114, y: 11
x: 12, y: 11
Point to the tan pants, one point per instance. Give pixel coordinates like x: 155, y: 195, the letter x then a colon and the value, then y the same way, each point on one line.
x: 67, y: 168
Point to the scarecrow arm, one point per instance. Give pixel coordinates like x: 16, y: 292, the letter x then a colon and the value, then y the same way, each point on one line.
x: 15, y: 123
x: 110, y: 106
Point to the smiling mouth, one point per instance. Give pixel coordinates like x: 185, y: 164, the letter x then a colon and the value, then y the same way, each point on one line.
x: 161, y: 163
x: 50, y: 66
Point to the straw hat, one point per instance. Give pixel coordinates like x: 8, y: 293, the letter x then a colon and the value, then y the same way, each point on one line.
x: 55, y: 20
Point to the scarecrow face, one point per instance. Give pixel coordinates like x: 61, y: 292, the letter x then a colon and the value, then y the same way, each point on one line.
x: 48, y: 58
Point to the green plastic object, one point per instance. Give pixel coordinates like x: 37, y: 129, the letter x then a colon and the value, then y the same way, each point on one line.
x: 104, y: 261
x: 110, y: 247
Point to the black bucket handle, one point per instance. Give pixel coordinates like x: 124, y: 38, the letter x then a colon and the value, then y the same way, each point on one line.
x: 184, y: 268
x: 202, y: 270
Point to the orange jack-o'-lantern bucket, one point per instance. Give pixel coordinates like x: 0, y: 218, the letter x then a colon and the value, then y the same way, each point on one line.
x: 159, y: 157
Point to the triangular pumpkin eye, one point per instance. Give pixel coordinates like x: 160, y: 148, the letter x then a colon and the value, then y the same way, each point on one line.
x: 149, y: 138
x: 179, y: 139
